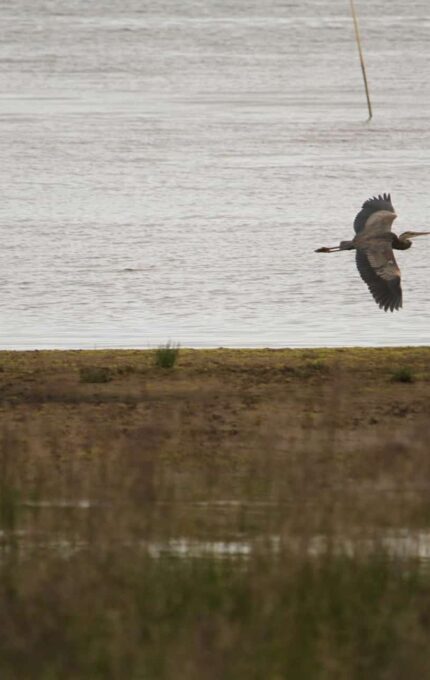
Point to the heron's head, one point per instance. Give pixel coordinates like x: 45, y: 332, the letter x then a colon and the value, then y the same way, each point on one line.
x: 407, y: 235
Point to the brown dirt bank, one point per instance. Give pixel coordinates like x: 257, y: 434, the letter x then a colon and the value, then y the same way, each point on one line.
x: 362, y: 414
x: 221, y: 394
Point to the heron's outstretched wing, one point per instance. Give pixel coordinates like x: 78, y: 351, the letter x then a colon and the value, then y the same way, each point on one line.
x: 378, y: 268
x: 371, y: 206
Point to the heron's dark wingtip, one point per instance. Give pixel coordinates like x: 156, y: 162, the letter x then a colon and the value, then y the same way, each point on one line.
x: 390, y: 305
x: 372, y: 205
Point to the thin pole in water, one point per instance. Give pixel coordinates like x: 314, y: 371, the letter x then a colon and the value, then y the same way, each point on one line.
x: 363, y: 68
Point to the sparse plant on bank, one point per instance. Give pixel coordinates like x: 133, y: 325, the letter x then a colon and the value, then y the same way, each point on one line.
x: 403, y: 375
x: 95, y: 374
x: 167, y: 355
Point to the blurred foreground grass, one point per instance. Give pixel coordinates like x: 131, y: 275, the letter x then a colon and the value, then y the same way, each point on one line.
x: 246, y: 514
x: 119, y: 614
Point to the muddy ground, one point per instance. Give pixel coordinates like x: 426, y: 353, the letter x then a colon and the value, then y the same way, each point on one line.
x: 360, y: 416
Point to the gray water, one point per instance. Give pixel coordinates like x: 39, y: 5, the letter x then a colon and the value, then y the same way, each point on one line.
x: 168, y: 168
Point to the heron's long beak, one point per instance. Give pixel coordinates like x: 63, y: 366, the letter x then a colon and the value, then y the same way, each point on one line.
x: 413, y: 234
x: 407, y: 235
x: 327, y: 250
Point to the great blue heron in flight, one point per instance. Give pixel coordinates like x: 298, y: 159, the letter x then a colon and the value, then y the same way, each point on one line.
x: 374, y: 242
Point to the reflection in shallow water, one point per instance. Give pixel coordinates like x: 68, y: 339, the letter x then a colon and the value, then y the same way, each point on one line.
x: 401, y: 544
x: 395, y: 543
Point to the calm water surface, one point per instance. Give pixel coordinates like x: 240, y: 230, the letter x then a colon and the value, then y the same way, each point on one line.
x: 169, y: 167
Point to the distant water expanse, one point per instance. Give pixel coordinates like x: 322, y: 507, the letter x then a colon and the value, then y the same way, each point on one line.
x: 169, y: 166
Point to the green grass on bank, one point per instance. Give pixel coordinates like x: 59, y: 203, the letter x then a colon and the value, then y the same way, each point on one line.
x: 361, y: 358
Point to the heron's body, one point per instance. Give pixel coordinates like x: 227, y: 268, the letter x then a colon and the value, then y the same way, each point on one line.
x: 374, y: 243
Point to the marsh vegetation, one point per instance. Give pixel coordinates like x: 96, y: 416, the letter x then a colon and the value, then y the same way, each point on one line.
x: 251, y: 514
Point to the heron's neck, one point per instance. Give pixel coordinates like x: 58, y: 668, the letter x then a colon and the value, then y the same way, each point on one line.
x: 400, y: 244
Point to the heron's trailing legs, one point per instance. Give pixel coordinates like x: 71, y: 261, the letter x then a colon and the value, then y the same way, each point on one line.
x: 343, y: 245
